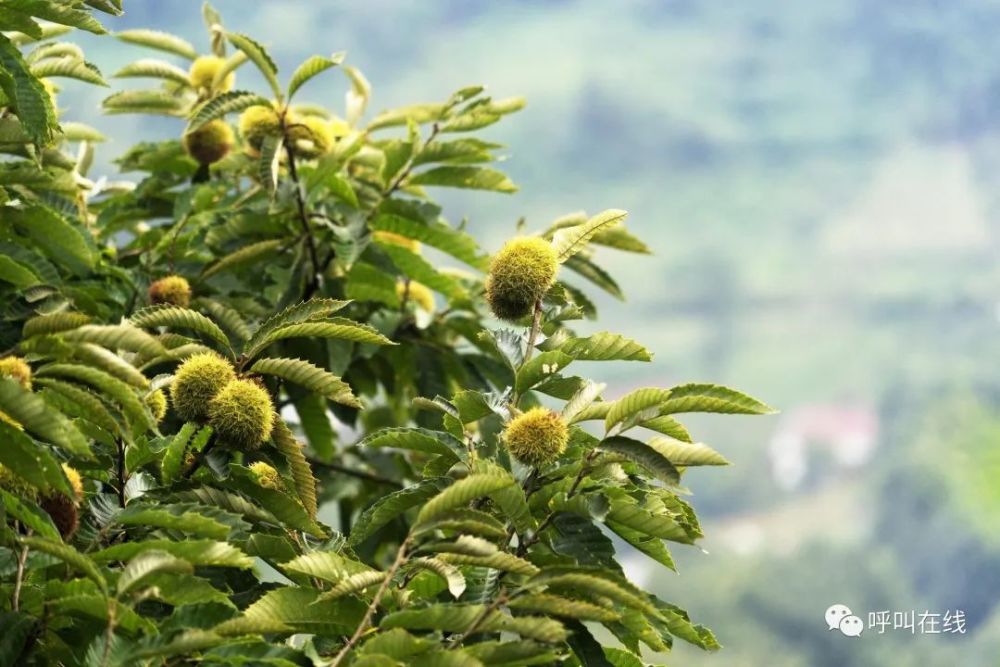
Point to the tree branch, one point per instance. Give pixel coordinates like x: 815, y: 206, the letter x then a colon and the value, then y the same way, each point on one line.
x: 367, y: 620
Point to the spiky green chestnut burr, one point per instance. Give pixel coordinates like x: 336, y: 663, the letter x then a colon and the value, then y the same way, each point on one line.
x: 242, y: 414
x: 520, y: 274
x: 196, y: 383
x: 536, y: 437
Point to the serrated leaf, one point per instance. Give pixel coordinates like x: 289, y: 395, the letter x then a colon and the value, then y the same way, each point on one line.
x: 30, y: 515
x: 253, y: 252
x: 582, y: 400
x: 300, y: 312
x: 144, y: 101
x: 122, y: 393
x: 325, y: 565
x: 54, y: 323
x: 289, y: 610
x: 155, y: 69
x: 167, y: 517
x: 634, y: 403
x: 89, y: 406
x: 161, y: 41
x: 310, y: 68
x: 196, y: 552
x: 452, y: 575
x: 605, y: 346
x: 646, y: 456
x: 177, y: 317
x: 417, y: 268
x: 540, y: 367
x: 571, y: 240
x: 149, y: 563
x: 291, y: 449
x: 116, y: 337
x: 68, y: 555
x: 222, y: 104
x: 334, y: 327
x: 711, y: 398
x: 462, y: 492
x: 173, y: 455
x: 108, y: 361
x: 35, y: 415
x: 54, y: 235
x: 353, y: 584
x: 502, y: 561
x: 391, y: 506
x: 310, y: 376
x: 260, y: 57
x: 418, y: 113
x: 30, y: 461
x: 69, y: 67
x: 467, y: 177
x: 687, y: 454
x: 591, y: 582
x: 81, y: 132
x: 30, y: 99
x: 418, y: 440
x: 556, y: 605
x: 667, y: 425
x: 454, y: 242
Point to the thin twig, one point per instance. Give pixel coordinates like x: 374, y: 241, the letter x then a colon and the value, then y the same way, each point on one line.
x: 121, y: 473
x: 354, y: 472
x: 300, y: 201
x: 536, y: 325
x: 15, y: 601
x: 367, y: 620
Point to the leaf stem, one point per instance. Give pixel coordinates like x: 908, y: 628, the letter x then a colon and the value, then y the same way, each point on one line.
x: 536, y: 325
x: 293, y: 172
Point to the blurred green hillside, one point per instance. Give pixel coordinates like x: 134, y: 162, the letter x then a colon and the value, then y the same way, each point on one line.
x: 818, y: 184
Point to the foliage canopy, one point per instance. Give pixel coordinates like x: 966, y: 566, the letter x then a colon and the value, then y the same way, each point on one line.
x: 325, y: 339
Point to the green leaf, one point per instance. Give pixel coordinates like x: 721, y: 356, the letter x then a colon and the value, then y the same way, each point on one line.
x: 154, y: 69
x: 325, y: 565
x: 310, y: 68
x: 605, y: 346
x: 29, y: 98
x: 260, y: 57
x: 16, y: 274
x: 122, y: 393
x: 440, y: 235
x: 177, y: 317
x: 177, y: 518
x: 556, y: 605
x: 540, y: 367
x: 70, y: 556
x: 687, y: 454
x: 196, y: 552
x: 458, y: 618
x: 248, y: 254
x: 571, y: 240
x: 661, y: 526
x: 69, y: 67
x: 418, y: 113
x: 54, y: 235
x: 595, y: 274
x: 646, y: 456
x: 58, y: 12
x: 31, y: 516
x: 582, y: 400
x: 80, y: 132
x: 173, y: 456
x: 108, y: 361
x: 149, y: 563
x: 89, y: 406
x: 462, y: 492
x: 503, y: 561
x: 37, y: 417
x: 417, y: 268
x: 635, y: 403
x: 160, y: 41
x: 225, y: 103
x: 711, y: 398
x: 451, y: 574
x: 334, y: 327
x: 291, y: 449
x: 54, y: 323
x: 468, y: 521
x: 30, y: 461
x: 300, y: 312
x: 286, y: 508
x: 462, y: 176
x: 353, y: 584
x: 667, y: 425
x: 116, y: 337
x: 311, y: 377
x: 391, y: 506
x: 144, y: 101
x: 459, y: 151
x: 418, y: 440
x: 292, y: 610
x: 600, y: 585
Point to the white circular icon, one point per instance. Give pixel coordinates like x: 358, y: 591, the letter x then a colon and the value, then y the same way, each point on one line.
x: 852, y: 626
x: 835, y: 614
